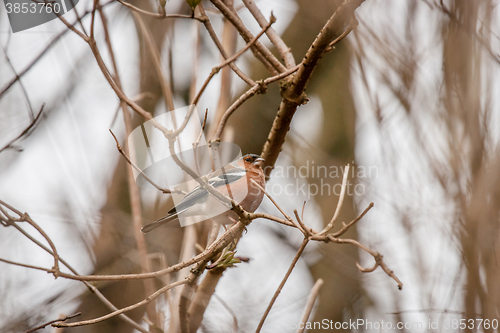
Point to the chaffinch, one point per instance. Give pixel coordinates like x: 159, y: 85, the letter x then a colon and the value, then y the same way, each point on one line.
x: 234, y: 180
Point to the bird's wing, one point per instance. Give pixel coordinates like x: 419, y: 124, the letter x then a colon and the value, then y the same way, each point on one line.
x: 227, y: 178
x: 199, y: 195
x: 160, y: 222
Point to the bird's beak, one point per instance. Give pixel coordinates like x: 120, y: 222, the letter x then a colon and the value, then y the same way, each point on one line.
x: 259, y: 161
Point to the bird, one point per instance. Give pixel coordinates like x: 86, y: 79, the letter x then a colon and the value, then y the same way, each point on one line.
x: 234, y: 180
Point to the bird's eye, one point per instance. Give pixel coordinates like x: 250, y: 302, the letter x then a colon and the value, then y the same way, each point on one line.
x: 248, y: 159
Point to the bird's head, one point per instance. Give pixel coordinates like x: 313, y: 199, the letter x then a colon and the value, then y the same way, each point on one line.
x: 252, y: 161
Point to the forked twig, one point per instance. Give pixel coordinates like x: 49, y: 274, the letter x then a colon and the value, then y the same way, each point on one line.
x: 280, y: 45
x: 215, y: 39
x: 260, y: 51
x: 272, y: 200
x: 64, y: 262
x: 303, y: 227
x: 229, y: 60
x: 24, y: 217
x: 259, y: 87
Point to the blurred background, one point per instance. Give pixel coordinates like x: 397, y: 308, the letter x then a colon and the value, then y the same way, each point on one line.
x: 410, y: 98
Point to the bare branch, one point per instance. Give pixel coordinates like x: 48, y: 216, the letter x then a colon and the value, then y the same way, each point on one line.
x: 339, y: 204
x: 42, y: 53
x: 282, y: 284
x: 38, y: 268
x: 272, y: 218
x: 229, y: 61
x: 24, y: 217
x: 133, y: 189
x: 53, y: 321
x: 277, y: 206
x: 293, y: 94
x: 215, y: 247
x: 310, y: 303
x: 259, y: 50
x: 158, y: 16
x: 27, y: 131
x: 88, y: 285
x: 377, y: 256
x: 128, y: 308
x: 166, y: 88
x: 259, y: 87
x: 23, y: 88
x: 352, y: 25
x: 273, y: 36
x: 197, y: 142
x: 346, y: 227
x: 208, y: 26
x: 303, y: 227
x: 149, y: 180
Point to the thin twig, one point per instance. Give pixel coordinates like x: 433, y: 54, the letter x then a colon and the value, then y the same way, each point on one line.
x: 197, y: 142
x: 42, y: 53
x: 303, y: 227
x: 53, y: 321
x: 72, y: 28
x: 282, y: 284
x: 92, y: 19
x: 303, y: 208
x: 346, y: 227
x: 133, y: 189
x: 231, y: 312
x: 155, y: 57
x: 265, y: 28
x: 105, y: 71
x: 310, y: 303
x: 23, y: 88
x: 272, y: 218
x: 158, y: 16
x: 229, y: 61
x: 352, y: 25
x: 24, y: 217
x: 24, y: 265
x: 273, y: 36
x: 216, y: 246
x: 214, y: 231
x: 259, y: 87
x: 88, y: 285
x: 339, y: 204
x: 229, y: 41
x: 211, y: 32
x: 34, y: 61
x: 276, y: 205
x: 128, y: 308
x: 260, y: 51
x: 26, y: 131
x: 377, y: 256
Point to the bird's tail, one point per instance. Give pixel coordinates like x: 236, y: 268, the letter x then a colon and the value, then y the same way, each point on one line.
x: 160, y: 222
